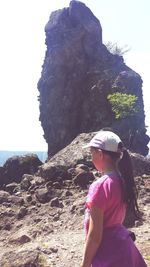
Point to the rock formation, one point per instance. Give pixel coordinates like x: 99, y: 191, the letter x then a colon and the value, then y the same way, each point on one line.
x: 74, y: 154
x: 16, y: 166
x: 78, y: 73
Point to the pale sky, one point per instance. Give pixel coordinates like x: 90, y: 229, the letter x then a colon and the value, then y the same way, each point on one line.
x: 22, y: 52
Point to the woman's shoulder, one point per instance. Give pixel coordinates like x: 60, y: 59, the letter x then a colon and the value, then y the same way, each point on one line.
x: 100, y: 181
x: 105, y: 180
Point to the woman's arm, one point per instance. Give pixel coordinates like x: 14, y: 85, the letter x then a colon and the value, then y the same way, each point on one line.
x: 94, y: 235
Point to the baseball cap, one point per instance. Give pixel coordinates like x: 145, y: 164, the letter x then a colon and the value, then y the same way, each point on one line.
x: 105, y: 140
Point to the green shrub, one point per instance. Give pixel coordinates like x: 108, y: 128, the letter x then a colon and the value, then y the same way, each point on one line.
x: 123, y: 105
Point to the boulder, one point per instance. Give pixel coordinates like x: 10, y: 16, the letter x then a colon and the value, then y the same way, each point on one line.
x: 73, y: 157
x: 15, y: 167
x: 141, y: 164
x: 4, y: 196
x: 83, y: 178
x: 53, y: 172
x: 38, y: 180
x: 16, y: 200
x: 11, y: 187
x: 43, y: 195
x: 25, y: 183
x: 55, y: 202
x: 19, y: 239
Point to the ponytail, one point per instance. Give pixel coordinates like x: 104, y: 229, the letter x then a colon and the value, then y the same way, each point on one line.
x: 125, y: 169
x: 130, y: 191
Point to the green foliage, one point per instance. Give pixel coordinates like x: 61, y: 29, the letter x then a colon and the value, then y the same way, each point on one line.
x: 123, y: 105
x: 116, y: 50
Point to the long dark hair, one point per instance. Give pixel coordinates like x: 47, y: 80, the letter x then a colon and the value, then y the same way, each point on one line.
x: 130, y: 191
x: 125, y: 169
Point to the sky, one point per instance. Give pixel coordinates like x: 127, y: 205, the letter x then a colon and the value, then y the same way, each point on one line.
x: 22, y: 51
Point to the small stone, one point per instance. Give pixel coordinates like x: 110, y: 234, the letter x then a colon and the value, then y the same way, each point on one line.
x: 55, y: 202
x: 71, y: 171
x: 10, y: 187
x: 56, y: 185
x: 28, y: 198
x: 82, y: 167
x: 25, y: 184
x: 38, y: 180
x: 17, y: 193
x: 19, y: 239
x: 68, y: 193
x: 7, y: 227
x: 4, y: 196
x: 22, y: 212
x: 137, y: 223
x: 54, y: 250
x: 7, y: 204
x: 24, y: 239
x: 37, y: 220
x: 67, y: 183
x: 147, y: 201
x: 43, y: 195
x: 16, y: 200
x: 56, y: 218
x: 9, y: 213
x: 73, y: 208
x: 147, y: 190
x: 29, y: 177
x: 32, y: 191
x: 82, y: 211
x: 33, y: 202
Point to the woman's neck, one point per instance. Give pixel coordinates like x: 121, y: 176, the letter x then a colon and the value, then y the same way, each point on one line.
x: 109, y: 168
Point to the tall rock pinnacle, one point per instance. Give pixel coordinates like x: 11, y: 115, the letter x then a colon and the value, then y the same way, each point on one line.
x: 78, y: 73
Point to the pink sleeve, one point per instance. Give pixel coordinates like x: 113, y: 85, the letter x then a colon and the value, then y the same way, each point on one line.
x: 98, y: 195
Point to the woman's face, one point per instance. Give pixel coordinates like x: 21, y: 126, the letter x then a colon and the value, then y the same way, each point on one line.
x: 97, y: 158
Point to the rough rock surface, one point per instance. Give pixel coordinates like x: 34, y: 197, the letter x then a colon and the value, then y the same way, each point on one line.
x: 75, y: 154
x: 16, y: 166
x: 78, y: 73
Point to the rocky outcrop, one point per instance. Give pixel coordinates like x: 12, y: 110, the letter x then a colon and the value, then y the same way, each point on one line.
x: 16, y: 166
x: 74, y: 154
x: 78, y: 73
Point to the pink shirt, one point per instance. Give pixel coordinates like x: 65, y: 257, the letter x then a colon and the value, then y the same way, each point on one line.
x: 106, y: 193
x: 116, y: 248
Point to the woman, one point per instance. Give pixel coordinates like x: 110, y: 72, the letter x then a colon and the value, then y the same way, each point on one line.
x: 108, y: 242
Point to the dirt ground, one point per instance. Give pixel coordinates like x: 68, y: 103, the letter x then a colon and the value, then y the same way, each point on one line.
x: 57, y: 232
